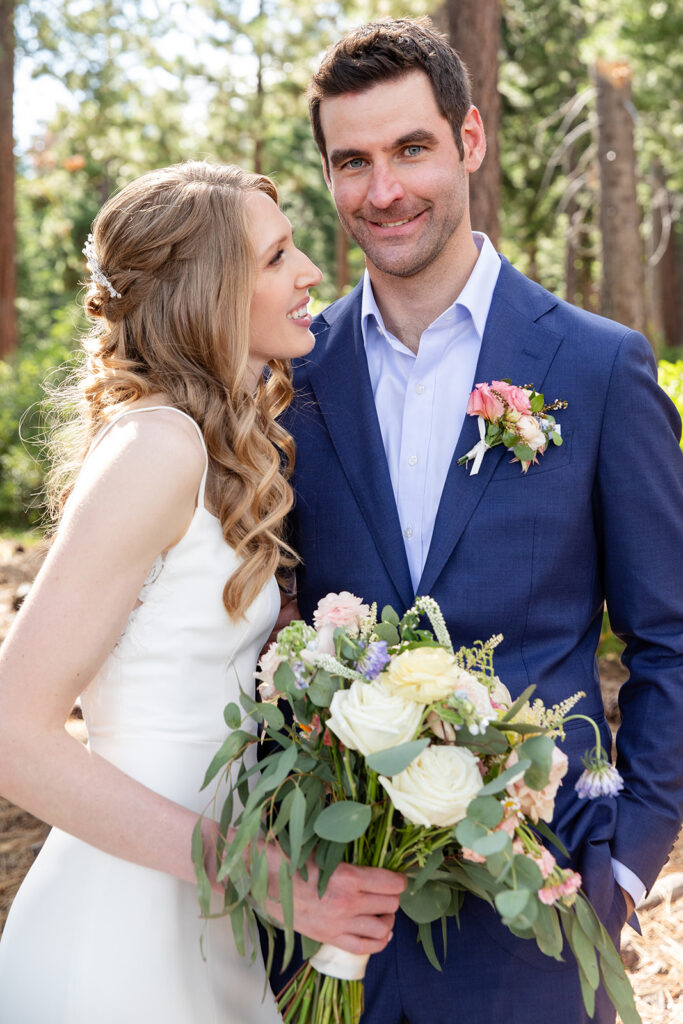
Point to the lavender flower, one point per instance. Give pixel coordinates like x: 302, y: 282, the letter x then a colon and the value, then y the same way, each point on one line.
x: 598, y: 779
x: 375, y: 659
x: 300, y: 680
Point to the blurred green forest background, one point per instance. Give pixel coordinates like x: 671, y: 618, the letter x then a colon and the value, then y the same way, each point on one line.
x: 582, y: 99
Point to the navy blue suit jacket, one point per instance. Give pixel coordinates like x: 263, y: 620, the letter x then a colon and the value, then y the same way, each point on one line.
x: 532, y: 556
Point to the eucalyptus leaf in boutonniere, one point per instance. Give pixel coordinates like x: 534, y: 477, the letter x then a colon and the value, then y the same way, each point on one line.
x: 513, y: 416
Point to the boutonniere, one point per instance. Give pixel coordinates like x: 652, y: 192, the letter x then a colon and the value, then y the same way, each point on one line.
x: 513, y: 416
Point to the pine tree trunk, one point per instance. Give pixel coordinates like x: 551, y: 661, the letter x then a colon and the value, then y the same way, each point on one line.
x: 622, y: 295
x: 8, y: 319
x: 474, y: 31
x: 662, y: 292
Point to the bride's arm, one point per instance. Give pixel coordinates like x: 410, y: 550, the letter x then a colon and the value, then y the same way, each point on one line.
x: 134, y: 498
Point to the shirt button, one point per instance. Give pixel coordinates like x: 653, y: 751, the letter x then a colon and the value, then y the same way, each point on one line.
x: 419, y: 389
x: 408, y: 532
x: 412, y: 461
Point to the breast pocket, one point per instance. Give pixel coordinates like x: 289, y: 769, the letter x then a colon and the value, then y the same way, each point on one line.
x: 555, y: 457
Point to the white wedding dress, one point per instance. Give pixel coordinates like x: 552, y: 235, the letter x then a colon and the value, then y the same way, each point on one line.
x: 91, y: 938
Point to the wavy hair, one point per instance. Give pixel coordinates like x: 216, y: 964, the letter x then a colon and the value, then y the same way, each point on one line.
x: 175, y: 245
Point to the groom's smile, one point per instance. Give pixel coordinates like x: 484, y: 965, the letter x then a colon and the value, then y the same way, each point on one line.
x: 397, y: 179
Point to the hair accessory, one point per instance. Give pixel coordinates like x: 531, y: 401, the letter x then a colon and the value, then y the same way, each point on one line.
x: 95, y: 269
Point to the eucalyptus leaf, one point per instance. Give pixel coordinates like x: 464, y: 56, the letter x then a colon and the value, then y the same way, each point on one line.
x: 396, y: 759
x: 512, y: 902
x: 284, y: 679
x: 587, y: 993
x: 524, y: 453
x: 309, y: 947
x: 328, y: 856
x: 296, y: 828
x: 387, y: 631
x: 527, y: 873
x: 427, y: 903
x: 272, y: 716
x: 518, y: 704
x: 538, y: 750
x: 490, y: 742
x: 323, y: 688
x: 548, y: 932
x: 494, y: 842
x: 259, y: 876
x: 468, y: 832
x: 389, y: 615
x: 430, y: 866
x: 547, y: 833
x: 620, y: 992
x: 198, y: 855
x: 232, y: 715
x: 424, y: 931
x: 343, y: 821
x: 228, y: 750
x: 583, y: 950
x: 505, y: 778
x: 287, y: 906
x: 486, y: 810
x: 237, y: 922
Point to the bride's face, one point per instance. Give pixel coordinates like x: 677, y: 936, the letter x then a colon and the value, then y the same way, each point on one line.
x: 279, y: 319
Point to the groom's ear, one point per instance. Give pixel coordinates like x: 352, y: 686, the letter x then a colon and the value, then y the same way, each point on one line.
x: 473, y: 140
x: 326, y: 173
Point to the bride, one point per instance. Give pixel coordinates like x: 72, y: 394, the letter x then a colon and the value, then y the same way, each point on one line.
x: 154, y: 601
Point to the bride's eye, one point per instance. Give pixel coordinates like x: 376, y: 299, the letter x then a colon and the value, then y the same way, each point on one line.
x: 276, y: 258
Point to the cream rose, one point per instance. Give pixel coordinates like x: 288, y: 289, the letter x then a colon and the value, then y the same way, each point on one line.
x: 426, y: 674
x: 539, y: 803
x: 528, y: 429
x: 437, y: 787
x: 371, y: 717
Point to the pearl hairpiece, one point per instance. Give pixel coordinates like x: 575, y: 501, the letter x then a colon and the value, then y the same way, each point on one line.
x: 95, y: 269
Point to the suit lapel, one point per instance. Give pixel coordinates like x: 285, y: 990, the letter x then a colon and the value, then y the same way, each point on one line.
x: 340, y: 380
x: 514, y: 346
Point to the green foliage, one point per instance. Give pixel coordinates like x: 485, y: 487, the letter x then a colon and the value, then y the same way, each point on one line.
x: 671, y: 380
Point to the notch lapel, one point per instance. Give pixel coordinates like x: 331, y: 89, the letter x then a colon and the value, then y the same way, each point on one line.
x: 341, y: 383
x: 514, y: 346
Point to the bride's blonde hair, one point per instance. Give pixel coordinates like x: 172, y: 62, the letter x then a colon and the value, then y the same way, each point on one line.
x: 174, y: 245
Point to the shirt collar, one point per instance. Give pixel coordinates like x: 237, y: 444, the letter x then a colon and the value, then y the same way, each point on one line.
x: 475, y: 298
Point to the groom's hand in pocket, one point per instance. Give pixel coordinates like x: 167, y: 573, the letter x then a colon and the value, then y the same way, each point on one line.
x: 356, y: 912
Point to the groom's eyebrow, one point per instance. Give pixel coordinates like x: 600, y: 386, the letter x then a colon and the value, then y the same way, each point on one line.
x: 416, y: 137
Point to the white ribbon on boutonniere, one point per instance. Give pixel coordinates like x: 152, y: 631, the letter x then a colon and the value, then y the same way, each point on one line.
x: 480, y: 448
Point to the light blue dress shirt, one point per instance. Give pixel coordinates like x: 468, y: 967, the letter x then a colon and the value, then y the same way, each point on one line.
x: 421, y: 401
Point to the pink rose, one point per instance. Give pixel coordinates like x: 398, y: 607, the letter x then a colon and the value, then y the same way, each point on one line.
x: 539, y: 803
x: 343, y: 609
x: 516, y: 398
x: 482, y: 402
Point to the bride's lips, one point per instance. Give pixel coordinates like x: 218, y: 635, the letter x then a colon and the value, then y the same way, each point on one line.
x: 298, y: 316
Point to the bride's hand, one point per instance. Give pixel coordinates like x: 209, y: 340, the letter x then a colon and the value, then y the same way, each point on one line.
x: 356, y: 912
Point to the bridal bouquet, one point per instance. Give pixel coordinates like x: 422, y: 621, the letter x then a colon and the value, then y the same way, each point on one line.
x: 407, y: 755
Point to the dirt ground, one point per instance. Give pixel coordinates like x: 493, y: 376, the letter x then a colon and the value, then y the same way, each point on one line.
x: 654, y: 960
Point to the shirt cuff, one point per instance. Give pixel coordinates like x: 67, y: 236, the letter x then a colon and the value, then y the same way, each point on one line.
x: 628, y: 881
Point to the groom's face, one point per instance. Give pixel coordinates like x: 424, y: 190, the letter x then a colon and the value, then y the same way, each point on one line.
x: 396, y: 177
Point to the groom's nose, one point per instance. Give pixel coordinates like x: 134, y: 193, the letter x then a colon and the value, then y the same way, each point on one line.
x: 385, y: 187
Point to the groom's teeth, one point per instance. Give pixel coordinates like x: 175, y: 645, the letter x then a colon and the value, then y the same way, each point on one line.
x: 396, y: 223
x: 298, y: 314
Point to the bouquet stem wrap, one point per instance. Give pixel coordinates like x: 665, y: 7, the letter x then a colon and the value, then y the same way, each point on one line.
x: 337, y: 963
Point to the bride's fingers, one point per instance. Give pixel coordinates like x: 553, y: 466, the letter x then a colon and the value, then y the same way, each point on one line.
x: 360, y: 945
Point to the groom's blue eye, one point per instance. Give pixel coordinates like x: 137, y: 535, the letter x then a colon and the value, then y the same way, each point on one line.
x: 413, y: 150
x: 356, y: 163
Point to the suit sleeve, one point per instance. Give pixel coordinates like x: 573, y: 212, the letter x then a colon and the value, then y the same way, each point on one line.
x: 639, y: 504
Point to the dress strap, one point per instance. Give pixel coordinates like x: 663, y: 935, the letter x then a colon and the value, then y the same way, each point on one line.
x: 150, y: 408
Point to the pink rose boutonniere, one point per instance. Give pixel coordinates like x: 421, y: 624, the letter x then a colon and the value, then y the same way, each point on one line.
x: 513, y: 416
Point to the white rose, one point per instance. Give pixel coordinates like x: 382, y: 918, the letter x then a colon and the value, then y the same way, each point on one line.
x: 371, y: 717
x: 528, y: 429
x: 437, y: 787
x: 425, y: 674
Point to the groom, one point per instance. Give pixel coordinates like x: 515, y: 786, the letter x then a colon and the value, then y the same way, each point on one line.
x: 383, y: 509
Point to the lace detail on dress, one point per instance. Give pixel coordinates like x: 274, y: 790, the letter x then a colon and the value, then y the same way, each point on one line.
x: 151, y: 577
x: 148, y: 591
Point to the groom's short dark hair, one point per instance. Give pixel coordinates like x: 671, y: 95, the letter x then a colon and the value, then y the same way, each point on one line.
x: 385, y: 50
